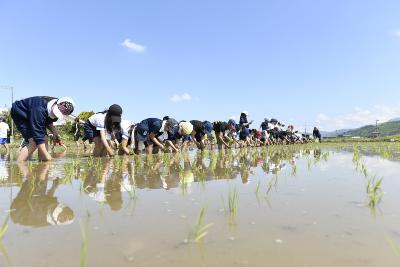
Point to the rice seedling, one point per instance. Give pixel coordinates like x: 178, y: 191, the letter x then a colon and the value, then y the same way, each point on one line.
x: 395, y: 247
x: 356, y: 155
x: 199, y: 231
x: 294, y: 170
x: 69, y: 172
x: 270, y: 184
x: 233, y: 202
x: 374, y: 191
x: 325, y: 156
x: 84, y: 233
x: 4, y: 227
x: 30, y: 166
x: 258, y: 188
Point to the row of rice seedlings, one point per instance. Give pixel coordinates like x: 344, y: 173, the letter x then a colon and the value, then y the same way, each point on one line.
x: 374, y: 190
x: 199, y: 230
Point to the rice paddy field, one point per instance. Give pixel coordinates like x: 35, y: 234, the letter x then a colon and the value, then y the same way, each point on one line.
x: 301, y: 205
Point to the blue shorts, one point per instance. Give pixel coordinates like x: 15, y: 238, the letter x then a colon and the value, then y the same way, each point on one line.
x: 244, y: 134
x: 186, y: 138
x: 3, y: 141
x: 90, y: 132
x: 22, y: 125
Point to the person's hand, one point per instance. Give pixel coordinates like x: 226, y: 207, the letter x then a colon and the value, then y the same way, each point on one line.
x: 111, y: 153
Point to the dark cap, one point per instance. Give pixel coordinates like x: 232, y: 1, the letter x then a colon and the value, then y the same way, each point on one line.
x: 172, y: 123
x: 232, y: 122
x: 115, y: 110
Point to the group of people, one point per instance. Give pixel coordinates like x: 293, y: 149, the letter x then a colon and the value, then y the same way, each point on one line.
x: 111, y: 134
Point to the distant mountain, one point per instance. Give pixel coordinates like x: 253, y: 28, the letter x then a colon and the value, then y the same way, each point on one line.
x: 385, y: 129
x: 394, y: 120
x: 334, y: 133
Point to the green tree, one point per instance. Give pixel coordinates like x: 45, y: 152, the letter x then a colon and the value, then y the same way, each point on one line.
x: 84, y: 115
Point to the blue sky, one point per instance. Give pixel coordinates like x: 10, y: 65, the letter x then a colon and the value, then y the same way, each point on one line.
x: 333, y: 63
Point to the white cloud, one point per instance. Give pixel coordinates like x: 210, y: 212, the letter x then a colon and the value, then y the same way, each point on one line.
x: 134, y: 47
x: 358, y: 117
x: 396, y: 33
x: 181, y: 98
x: 322, y: 117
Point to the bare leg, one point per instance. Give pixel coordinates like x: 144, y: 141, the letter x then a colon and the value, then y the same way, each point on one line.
x: 98, y: 147
x: 27, y: 151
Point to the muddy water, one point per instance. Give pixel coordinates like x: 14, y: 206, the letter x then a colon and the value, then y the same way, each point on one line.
x: 296, y: 206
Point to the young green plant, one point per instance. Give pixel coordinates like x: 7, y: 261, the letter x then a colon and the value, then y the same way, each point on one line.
x: 199, y: 231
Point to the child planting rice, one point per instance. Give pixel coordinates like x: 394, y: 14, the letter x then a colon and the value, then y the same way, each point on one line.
x: 102, y: 126
x: 152, y: 132
x: 32, y: 116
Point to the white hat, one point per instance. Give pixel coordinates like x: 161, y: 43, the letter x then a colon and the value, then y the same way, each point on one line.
x: 52, y: 216
x: 187, y: 127
x: 64, y: 107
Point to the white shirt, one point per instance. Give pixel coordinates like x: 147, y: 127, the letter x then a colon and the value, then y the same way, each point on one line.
x: 97, y: 120
x: 125, y: 127
x: 50, y: 105
x: 164, y: 135
x: 4, y: 128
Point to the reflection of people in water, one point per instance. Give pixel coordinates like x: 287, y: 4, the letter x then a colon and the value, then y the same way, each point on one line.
x: 113, y: 179
x: 37, y: 206
x: 106, y: 182
x: 4, y: 169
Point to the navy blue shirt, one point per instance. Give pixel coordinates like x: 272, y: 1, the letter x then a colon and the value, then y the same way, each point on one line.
x: 152, y: 125
x: 264, y: 126
x: 220, y: 126
x: 33, y: 110
x: 243, y: 121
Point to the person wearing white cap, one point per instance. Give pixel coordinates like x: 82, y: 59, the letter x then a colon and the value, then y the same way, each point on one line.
x: 33, y: 115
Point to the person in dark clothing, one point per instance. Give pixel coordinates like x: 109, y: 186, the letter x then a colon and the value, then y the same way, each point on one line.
x: 153, y: 131
x: 243, y: 122
x: 221, y: 129
x: 317, y: 134
x: 32, y: 116
x: 200, y: 130
x: 264, y: 125
x: 180, y: 133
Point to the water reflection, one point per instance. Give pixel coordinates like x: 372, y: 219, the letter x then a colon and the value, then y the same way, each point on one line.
x: 35, y: 204
x: 105, y: 180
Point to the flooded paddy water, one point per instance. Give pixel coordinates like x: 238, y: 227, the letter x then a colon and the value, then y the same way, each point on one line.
x: 328, y: 205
